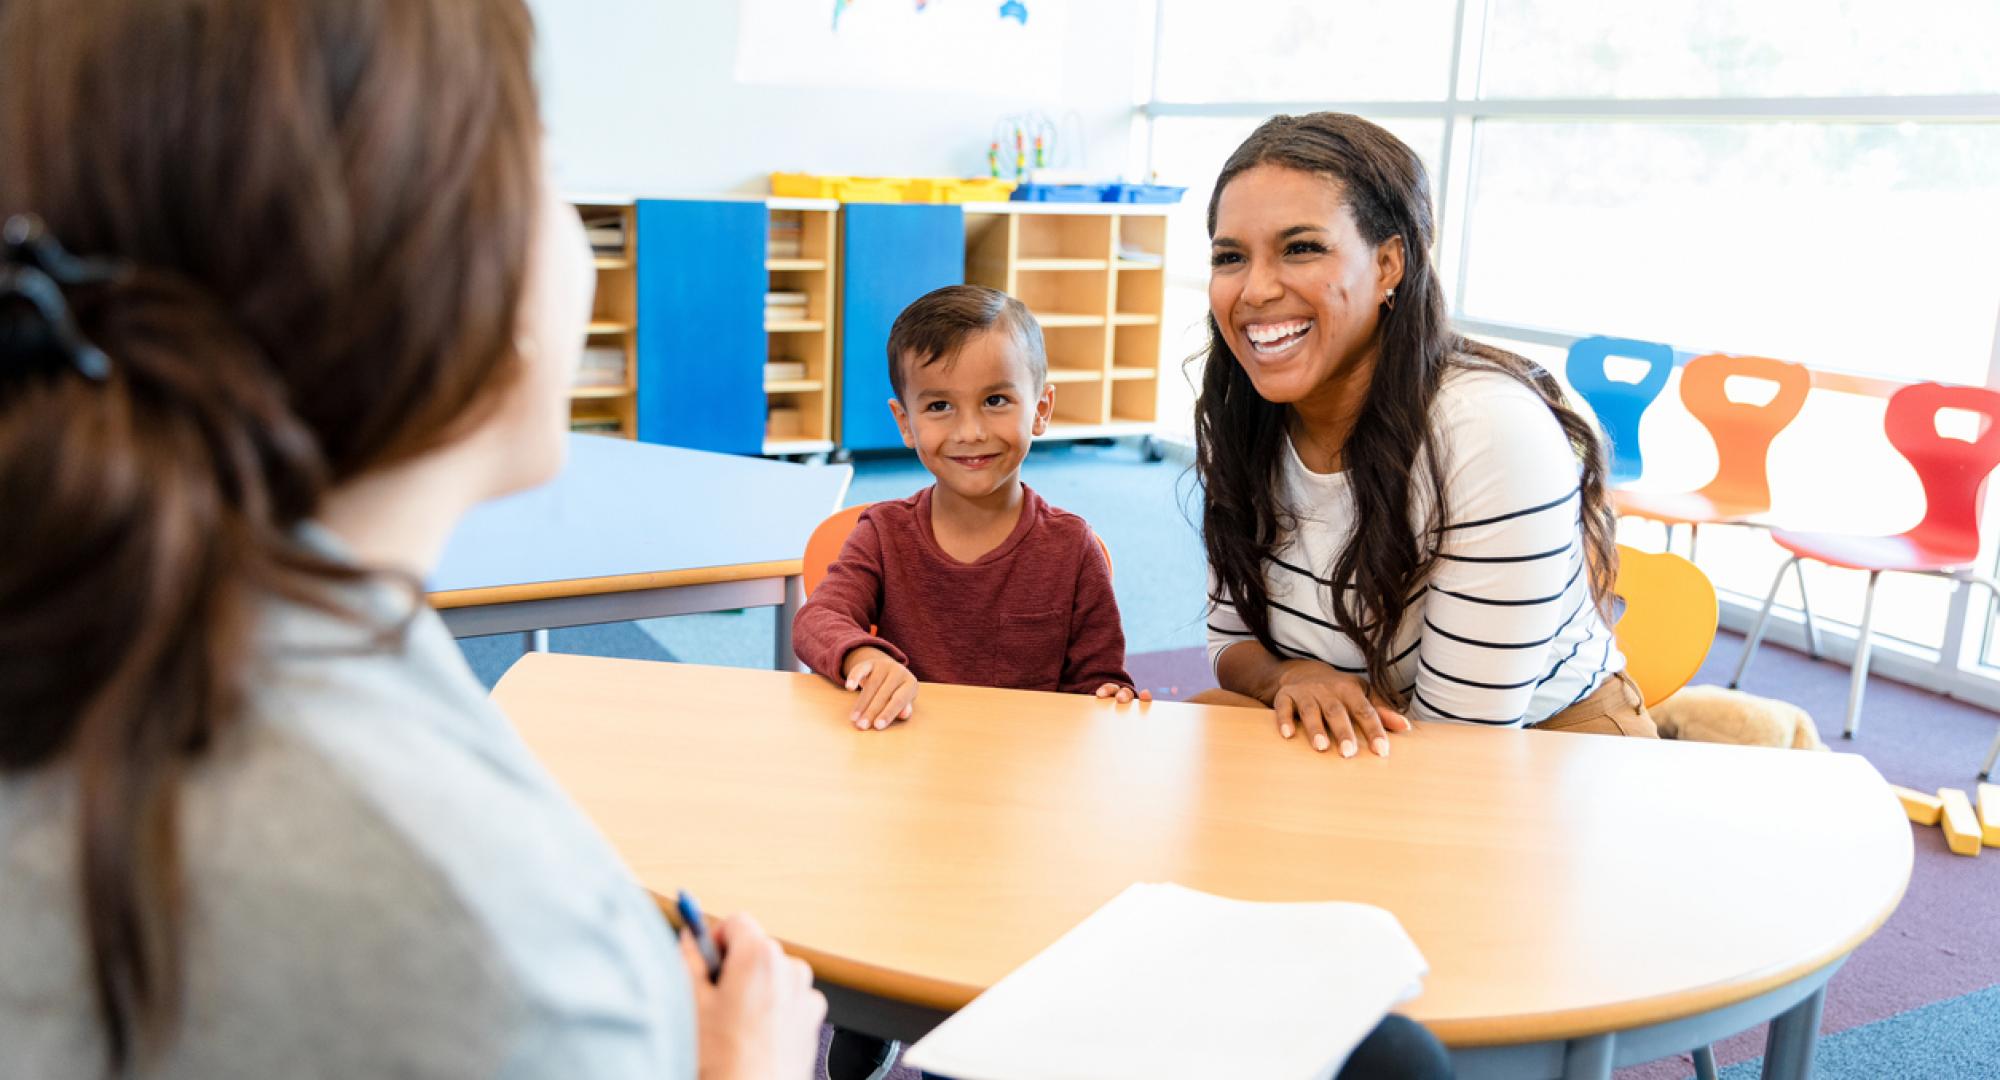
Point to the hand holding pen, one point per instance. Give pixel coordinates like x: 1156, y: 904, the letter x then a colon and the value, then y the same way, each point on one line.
x: 756, y: 1008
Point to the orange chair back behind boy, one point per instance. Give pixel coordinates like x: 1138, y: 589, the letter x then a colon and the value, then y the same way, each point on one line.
x: 824, y: 545
x: 1743, y: 432
x: 1668, y: 623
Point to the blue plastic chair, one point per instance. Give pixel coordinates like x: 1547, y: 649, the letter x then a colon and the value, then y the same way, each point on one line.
x: 1619, y: 405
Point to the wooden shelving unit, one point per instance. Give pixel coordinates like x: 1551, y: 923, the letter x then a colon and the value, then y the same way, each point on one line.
x: 1099, y: 311
x: 799, y: 411
x: 612, y: 408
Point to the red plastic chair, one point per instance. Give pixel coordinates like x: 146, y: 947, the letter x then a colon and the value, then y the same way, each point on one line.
x: 1743, y: 433
x: 1944, y: 544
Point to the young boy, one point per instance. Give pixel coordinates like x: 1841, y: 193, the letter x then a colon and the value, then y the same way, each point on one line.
x: 975, y: 579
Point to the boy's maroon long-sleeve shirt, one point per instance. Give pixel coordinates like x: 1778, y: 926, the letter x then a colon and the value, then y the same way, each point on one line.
x: 1035, y: 613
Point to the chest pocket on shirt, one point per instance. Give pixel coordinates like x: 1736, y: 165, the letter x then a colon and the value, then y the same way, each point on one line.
x: 1028, y: 650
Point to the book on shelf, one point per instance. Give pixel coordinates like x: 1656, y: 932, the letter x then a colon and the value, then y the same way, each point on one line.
x: 785, y: 422
x: 595, y: 426
x: 1140, y: 255
x: 785, y: 298
x: 601, y: 366
x: 784, y: 370
x: 606, y: 235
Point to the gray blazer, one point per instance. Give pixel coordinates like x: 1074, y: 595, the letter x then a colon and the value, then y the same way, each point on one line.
x: 383, y: 883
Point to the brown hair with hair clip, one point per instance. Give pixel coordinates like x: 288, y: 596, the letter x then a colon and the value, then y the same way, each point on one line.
x: 325, y: 206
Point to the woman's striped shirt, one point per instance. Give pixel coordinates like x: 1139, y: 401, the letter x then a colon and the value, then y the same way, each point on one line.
x: 1504, y: 633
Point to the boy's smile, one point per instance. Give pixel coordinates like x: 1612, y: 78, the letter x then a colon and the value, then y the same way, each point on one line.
x: 972, y: 415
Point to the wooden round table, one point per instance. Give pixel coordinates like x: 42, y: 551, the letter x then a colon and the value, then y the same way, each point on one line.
x: 1584, y: 902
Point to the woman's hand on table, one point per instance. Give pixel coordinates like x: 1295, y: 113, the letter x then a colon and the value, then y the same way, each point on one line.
x: 1333, y: 708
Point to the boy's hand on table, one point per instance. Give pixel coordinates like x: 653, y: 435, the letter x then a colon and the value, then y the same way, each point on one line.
x: 1123, y: 693
x: 887, y: 692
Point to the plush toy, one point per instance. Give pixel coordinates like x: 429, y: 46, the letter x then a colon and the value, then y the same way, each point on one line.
x: 1713, y: 714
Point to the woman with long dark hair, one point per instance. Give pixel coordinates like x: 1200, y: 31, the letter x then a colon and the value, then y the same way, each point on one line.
x: 1400, y: 521
x: 283, y: 292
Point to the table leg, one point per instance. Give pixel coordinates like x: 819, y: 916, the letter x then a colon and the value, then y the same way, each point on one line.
x: 1788, y: 1050
x: 783, y: 658
x: 1589, y: 1058
x: 535, y: 641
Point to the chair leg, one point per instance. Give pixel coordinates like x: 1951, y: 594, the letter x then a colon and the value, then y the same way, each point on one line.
x: 1670, y: 537
x: 1986, y: 770
x: 1757, y: 628
x: 1805, y: 605
x: 1694, y: 535
x: 1858, y: 680
x: 1704, y: 1063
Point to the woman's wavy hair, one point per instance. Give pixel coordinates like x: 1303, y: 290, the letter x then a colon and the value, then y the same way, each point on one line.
x: 308, y: 225
x: 1391, y: 457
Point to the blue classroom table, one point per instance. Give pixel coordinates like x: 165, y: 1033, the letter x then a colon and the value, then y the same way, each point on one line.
x: 632, y: 530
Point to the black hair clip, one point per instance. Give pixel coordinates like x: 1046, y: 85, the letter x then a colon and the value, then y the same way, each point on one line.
x: 35, y: 319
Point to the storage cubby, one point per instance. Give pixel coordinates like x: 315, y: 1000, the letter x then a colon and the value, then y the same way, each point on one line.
x: 800, y: 261
x: 603, y: 398
x: 1079, y: 403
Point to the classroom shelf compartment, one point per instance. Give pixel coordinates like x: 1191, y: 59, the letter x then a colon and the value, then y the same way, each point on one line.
x: 612, y: 408
x: 1074, y: 375
x: 802, y: 245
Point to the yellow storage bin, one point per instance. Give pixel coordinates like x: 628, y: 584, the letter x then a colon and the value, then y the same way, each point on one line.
x: 917, y: 189
x: 950, y: 190
x: 844, y: 188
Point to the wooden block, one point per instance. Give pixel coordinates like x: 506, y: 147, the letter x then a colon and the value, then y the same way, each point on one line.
x: 1961, y: 829
x: 1922, y: 809
x: 1989, y: 814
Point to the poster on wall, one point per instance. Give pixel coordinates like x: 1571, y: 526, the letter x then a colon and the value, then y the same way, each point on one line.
x: 999, y: 48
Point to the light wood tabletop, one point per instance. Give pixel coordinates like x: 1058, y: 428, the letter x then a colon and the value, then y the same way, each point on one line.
x: 1560, y: 885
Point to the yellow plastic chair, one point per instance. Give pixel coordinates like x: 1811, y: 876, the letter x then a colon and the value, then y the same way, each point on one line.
x: 824, y: 545
x: 1668, y: 623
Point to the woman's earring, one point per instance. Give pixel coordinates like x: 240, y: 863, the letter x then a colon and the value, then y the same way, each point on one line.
x: 1389, y: 299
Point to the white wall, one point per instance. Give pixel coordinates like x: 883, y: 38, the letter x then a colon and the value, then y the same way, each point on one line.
x: 640, y: 96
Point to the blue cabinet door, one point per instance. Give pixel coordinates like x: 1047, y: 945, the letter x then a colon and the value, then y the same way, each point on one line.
x: 890, y: 256
x: 701, y: 285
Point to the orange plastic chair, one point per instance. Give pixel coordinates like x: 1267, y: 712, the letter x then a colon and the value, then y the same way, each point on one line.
x: 1668, y: 623
x: 824, y: 545
x: 1944, y: 544
x: 1743, y: 433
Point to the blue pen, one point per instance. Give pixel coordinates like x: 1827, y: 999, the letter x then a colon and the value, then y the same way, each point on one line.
x: 691, y: 918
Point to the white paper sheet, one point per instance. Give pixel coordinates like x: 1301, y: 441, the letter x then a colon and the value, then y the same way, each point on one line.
x: 1166, y: 982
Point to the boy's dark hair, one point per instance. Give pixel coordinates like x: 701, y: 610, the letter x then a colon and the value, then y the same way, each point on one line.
x: 938, y: 324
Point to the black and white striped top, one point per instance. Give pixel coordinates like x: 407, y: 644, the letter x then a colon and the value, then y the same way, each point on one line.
x: 1505, y: 632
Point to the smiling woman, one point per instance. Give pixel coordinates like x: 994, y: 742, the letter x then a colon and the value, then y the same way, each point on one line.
x: 1398, y: 519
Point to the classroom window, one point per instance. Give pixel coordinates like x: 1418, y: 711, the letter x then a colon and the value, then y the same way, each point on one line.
x: 1304, y: 50
x: 1728, y: 48
x: 1863, y: 247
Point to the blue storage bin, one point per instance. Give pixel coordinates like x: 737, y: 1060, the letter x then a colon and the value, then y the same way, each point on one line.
x: 1143, y: 193
x: 1060, y: 193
